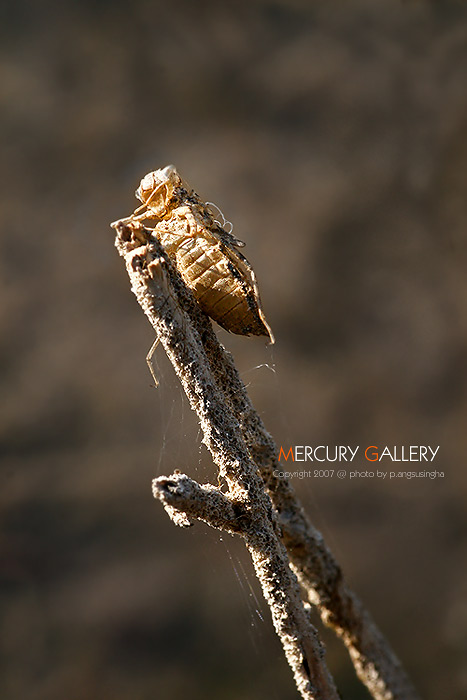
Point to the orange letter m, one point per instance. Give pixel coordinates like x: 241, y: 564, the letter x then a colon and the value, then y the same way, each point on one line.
x: 286, y: 456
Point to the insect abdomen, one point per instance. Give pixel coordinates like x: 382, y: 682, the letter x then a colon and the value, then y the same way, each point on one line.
x: 220, y: 288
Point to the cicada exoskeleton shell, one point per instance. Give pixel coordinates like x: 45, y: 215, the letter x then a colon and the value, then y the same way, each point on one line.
x: 206, y: 256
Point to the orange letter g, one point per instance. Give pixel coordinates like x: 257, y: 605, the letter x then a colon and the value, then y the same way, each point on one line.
x: 375, y: 459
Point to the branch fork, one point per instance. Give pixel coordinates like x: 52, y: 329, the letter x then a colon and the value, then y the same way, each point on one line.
x: 289, y: 555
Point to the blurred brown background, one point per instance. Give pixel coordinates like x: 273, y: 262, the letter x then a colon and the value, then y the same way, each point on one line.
x: 335, y: 139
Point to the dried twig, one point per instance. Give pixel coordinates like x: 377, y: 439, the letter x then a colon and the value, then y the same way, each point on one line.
x: 316, y: 567
x: 243, y: 449
x: 246, y: 509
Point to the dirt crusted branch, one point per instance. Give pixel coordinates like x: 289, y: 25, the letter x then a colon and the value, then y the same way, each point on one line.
x: 245, y: 508
x: 246, y: 456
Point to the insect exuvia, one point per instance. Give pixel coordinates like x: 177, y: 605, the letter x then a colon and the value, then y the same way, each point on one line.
x: 205, y: 254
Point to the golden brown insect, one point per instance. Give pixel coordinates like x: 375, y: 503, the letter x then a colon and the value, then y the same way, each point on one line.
x: 205, y: 254
x: 220, y: 277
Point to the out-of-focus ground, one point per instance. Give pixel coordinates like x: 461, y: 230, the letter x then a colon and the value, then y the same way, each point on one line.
x: 335, y: 139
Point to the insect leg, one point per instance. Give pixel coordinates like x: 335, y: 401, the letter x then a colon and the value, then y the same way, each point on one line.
x: 145, y: 207
x: 184, y: 212
x: 149, y: 357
